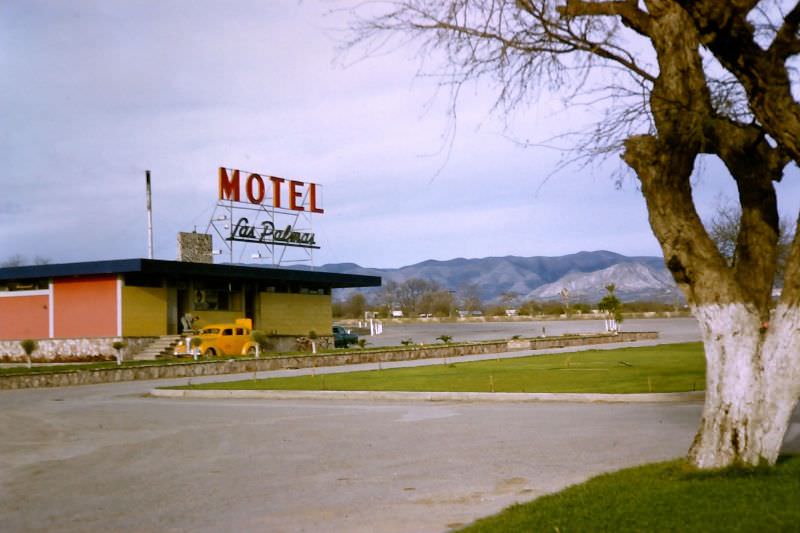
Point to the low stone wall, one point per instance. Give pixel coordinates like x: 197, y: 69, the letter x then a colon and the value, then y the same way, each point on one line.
x: 101, y: 348
x: 67, y: 350
x: 241, y: 365
x: 542, y: 343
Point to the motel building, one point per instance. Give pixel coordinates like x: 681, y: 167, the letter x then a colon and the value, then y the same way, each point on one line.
x: 78, y: 310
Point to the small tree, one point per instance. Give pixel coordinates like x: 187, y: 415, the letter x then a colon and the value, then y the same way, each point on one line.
x: 444, y: 338
x: 28, y: 346
x: 195, y: 342
x: 118, y: 347
x: 470, y: 295
x: 612, y: 307
x: 261, y: 339
x: 312, y: 335
x: 565, y: 300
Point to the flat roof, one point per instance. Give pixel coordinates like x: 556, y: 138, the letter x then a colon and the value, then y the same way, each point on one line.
x: 182, y: 269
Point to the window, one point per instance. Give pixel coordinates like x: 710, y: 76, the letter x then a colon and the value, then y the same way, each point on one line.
x: 142, y: 280
x: 227, y: 332
x: 24, y: 285
x: 216, y: 296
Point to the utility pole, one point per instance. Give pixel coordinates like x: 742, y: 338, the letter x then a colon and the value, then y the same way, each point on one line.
x: 149, y: 217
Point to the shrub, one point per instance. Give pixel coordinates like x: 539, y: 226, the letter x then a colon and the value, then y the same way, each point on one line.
x: 28, y: 346
x: 118, y: 347
x: 261, y: 338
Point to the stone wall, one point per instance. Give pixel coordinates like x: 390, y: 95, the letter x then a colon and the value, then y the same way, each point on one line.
x: 65, y: 350
x: 248, y: 365
x: 101, y: 348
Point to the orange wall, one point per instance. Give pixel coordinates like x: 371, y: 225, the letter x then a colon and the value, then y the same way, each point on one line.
x: 24, y: 317
x: 85, y: 307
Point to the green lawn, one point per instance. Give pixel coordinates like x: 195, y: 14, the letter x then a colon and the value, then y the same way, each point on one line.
x: 664, y: 497
x: 664, y: 368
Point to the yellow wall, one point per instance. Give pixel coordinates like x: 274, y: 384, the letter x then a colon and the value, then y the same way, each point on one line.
x: 295, y: 314
x: 216, y: 317
x: 144, y: 311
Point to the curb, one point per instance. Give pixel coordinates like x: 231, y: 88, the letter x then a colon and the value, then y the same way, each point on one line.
x: 664, y: 397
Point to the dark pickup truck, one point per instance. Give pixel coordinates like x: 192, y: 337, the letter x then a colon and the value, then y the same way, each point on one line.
x: 342, y: 338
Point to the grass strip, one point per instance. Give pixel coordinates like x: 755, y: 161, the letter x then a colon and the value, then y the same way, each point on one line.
x: 82, y: 366
x: 661, y: 368
x: 670, y: 496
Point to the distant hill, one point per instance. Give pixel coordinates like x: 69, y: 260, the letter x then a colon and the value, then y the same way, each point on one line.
x: 633, y: 280
x: 584, y: 274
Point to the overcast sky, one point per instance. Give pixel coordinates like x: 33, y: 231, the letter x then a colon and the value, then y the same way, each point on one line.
x: 94, y: 93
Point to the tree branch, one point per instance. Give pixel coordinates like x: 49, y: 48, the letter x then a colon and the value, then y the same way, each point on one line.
x: 763, y: 74
x: 786, y: 41
x: 627, y: 10
x: 754, y: 165
x: 689, y: 253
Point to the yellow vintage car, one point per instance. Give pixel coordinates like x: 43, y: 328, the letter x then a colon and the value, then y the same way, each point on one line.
x: 222, y: 339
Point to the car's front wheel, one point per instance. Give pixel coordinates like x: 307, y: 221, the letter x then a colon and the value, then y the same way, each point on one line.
x: 210, y: 352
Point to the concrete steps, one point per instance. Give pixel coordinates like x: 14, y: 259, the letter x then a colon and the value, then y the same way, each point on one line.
x: 163, y: 346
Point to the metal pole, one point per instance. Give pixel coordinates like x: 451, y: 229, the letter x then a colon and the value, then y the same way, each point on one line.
x: 149, y: 217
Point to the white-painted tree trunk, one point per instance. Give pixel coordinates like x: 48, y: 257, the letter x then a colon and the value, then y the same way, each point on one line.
x: 752, y: 384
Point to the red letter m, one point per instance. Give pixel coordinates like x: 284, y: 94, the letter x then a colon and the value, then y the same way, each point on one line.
x: 228, y: 187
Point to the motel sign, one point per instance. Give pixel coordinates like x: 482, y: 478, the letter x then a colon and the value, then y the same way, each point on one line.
x: 272, y: 213
x: 271, y: 191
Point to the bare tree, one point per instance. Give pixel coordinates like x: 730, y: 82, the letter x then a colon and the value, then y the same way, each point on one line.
x: 389, y: 295
x: 436, y: 303
x: 411, y: 292
x: 470, y: 296
x: 665, y: 106
x: 13, y: 261
x: 508, y: 299
x: 355, y: 305
x: 17, y: 260
x: 724, y: 230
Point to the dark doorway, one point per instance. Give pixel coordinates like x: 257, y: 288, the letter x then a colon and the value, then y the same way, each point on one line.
x: 250, y: 300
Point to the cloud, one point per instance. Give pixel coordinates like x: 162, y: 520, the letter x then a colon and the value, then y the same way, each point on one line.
x: 95, y: 93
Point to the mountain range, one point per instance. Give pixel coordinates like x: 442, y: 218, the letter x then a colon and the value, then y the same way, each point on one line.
x: 583, y: 274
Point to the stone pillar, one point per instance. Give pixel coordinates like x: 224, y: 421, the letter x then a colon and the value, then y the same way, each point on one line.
x: 194, y: 247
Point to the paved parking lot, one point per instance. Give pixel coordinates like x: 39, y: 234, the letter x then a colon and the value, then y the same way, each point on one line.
x: 670, y: 329
x: 108, y: 457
